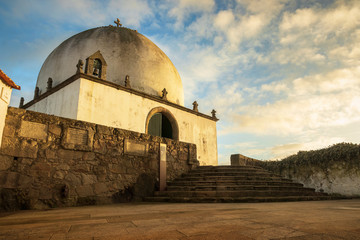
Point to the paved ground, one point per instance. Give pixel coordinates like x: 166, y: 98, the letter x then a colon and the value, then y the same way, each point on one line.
x: 292, y: 220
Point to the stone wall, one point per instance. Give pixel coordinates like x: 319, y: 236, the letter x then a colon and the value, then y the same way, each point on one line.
x: 241, y: 160
x: 334, y: 170
x: 337, y: 178
x: 48, y: 161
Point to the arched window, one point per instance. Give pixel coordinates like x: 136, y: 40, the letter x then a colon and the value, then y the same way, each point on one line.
x: 97, y: 67
x: 160, y: 122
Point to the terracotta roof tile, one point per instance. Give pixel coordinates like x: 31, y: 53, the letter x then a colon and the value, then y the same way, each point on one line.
x: 8, y: 80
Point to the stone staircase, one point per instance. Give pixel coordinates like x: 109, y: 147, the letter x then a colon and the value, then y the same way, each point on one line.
x: 234, y: 184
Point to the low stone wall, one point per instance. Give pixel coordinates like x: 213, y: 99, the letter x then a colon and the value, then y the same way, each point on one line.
x: 48, y: 161
x: 337, y: 178
x: 338, y: 172
x: 241, y: 160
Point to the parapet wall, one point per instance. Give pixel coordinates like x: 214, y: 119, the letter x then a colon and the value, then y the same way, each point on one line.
x: 335, y: 170
x: 48, y: 161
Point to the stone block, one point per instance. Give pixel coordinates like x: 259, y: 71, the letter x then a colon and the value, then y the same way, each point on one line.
x: 100, y: 146
x: 88, y: 179
x: 45, y: 193
x: 69, y: 154
x: 5, y: 162
x: 41, y: 169
x: 63, y: 166
x: 84, y: 191
x: 104, y: 130
x: 132, y: 147
x: 100, y: 188
x: 59, y: 175
x: 33, y: 130
x: 78, y: 139
x: 183, y: 156
x: 10, y: 180
x: 55, y: 129
x: 72, y: 179
x: 12, y: 121
x: 19, y: 148
x: 117, y: 168
x: 50, y: 153
x: 9, y: 131
x: 25, y: 181
x: 241, y: 160
x: 89, y: 156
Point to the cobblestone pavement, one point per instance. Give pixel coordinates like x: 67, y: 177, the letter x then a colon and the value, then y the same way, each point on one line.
x: 326, y: 220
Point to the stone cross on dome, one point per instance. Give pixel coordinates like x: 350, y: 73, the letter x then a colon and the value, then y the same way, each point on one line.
x: 117, y: 22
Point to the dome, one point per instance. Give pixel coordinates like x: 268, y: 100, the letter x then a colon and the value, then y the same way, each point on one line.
x: 126, y: 52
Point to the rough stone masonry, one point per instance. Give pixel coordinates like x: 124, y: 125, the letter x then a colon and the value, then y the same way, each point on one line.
x: 48, y: 161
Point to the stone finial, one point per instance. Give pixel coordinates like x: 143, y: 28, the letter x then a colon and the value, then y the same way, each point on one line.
x: 164, y: 94
x: 37, y: 92
x: 21, y: 102
x: 117, y: 22
x: 195, y: 106
x: 127, y: 81
x: 80, y: 66
x: 213, y: 114
x: 49, y: 84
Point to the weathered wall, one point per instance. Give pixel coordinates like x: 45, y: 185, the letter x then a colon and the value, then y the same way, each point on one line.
x: 48, y: 161
x: 54, y: 104
x: 335, y: 169
x: 339, y: 178
x: 5, y: 94
x: 241, y: 160
x: 109, y: 106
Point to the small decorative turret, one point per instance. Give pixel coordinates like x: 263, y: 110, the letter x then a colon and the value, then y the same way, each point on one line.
x: 37, y: 92
x: 80, y: 66
x: 195, y: 106
x: 21, y: 102
x: 49, y: 84
x: 127, y: 81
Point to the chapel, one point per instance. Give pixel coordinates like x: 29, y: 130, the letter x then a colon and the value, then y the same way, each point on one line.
x: 116, y: 77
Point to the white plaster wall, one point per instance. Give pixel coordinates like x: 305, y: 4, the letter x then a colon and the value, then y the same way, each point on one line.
x: 63, y: 103
x: 5, y: 94
x: 111, y: 107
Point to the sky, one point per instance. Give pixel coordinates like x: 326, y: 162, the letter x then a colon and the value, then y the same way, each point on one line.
x: 283, y: 76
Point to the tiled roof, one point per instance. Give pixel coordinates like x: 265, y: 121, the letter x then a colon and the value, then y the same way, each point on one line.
x: 8, y: 80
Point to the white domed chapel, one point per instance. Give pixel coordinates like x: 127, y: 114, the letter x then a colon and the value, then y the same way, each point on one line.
x: 115, y: 76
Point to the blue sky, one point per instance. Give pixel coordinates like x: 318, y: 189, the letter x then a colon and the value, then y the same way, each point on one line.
x: 283, y: 75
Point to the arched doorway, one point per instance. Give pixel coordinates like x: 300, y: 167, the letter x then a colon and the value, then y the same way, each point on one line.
x: 160, y: 126
x: 160, y: 122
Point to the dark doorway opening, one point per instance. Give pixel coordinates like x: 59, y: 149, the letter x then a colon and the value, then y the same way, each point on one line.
x: 159, y: 125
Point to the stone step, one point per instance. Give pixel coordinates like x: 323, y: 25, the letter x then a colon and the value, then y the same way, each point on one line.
x: 234, y: 178
x: 234, y: 184
x: 236, y: 199
x: 180, y: 182
x: 237, y: 188
x: 245, y: 193
x: 204, y: 174
x: 240, y: 170
x: 227, y: 167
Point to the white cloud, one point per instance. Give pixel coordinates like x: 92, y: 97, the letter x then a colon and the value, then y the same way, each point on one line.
x: 182, y: 9
x: 224, y: 19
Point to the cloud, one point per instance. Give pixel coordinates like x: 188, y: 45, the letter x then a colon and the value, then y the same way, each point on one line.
x: 183, y: 9
x: 224, y: 19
